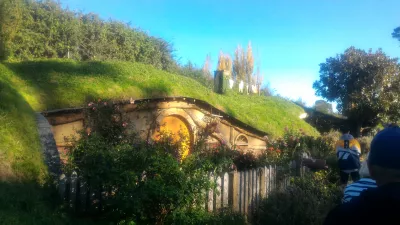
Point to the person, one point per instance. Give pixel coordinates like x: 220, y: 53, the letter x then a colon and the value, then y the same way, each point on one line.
x: 348, y: 152
x: 366, y: 182
x: 379, y: 205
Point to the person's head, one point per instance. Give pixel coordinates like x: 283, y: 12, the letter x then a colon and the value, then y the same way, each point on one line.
x: 364, y: 171
x: 384, y: 156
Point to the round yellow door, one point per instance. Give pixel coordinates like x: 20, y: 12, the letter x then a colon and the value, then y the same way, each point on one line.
x: 177, y: 129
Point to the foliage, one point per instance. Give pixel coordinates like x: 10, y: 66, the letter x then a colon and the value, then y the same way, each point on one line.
x: 295, y: 143
x: 224, y: 62
x: 364, y: 84
x: 292, y: 206
x: 44, y: 29
x: 239, y: 64
x: 323, y: 106
x: 30, y: 203
x: 266, y: 90
x: 200, y: 217
x: 396, y: 33
x: 207, y: 68
x: 246, y: 160
x: 200, y: 75
x: 249, y: 64
x: 365, y: 143
x: 146, y: 181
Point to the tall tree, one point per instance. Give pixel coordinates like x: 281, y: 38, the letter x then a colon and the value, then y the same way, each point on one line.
x: 239, y: 64
x: 207, y: 68
x: 258, y: 79
x: 249, y: 64
x: 224, y: 62
x: 365, y: 85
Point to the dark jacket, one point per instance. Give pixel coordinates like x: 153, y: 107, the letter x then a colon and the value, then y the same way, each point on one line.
x: 376, y: 206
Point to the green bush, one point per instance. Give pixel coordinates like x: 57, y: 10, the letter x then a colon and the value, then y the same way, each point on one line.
x: 307, y: 201
x: 201, y: 217
x: 365, y: 143
x: 145, y: 182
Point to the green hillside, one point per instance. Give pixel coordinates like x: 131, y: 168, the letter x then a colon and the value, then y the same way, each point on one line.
x: 43, y: 85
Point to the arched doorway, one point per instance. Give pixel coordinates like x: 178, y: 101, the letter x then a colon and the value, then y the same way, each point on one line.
x: 178, y: 130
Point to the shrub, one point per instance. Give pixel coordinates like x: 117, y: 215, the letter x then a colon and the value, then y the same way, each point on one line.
x: 200, y: 217
x: 365, y: 143
x: 306, y: 201
x: 295, y: 142
x: 144, y: 182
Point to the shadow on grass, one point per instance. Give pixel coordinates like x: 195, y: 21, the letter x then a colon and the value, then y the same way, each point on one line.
x: 30, y: 203
x: 40, y: 76
x: 19, y: 137
x: 22, y: 199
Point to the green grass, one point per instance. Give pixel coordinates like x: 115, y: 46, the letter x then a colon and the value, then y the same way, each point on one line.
x: 23, y: 197
x: 29, y: 203
x: 26, y: 87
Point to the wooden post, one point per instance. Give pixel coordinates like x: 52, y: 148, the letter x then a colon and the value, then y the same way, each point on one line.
x: 242, y: 192
x: 249, y: 190
x: 263, y: 190
x: 258, y: 194
x: 82, y: 194
x: 253, y: 189
x: 210, y: 196
x: 218, y: 193
x: 62, y: 185
x: 72, y: 199
x: 225, y: 190
x: 268, y: 179
x: 234, y: 187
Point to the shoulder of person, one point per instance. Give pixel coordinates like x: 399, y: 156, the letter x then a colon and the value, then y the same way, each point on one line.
x: 352, y: 212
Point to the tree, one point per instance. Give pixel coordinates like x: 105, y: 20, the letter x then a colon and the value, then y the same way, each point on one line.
x: 10, y: 22
x: 243, y: 64
x: 364, y: 84
x: 258, y: 79
x: 239, y: 64
x: 224, y: 62
x: 396, y: 33
x: 301, y: 102
x: 249, y: 65
x: 323, y: 106
x: 32, y: 29
x: 266, y: 90
x: 207, y: 68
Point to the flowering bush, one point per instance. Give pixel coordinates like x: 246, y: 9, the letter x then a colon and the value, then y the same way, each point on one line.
x: 245, y: 160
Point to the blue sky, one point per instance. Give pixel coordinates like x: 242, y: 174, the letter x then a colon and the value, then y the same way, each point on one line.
x: 291, y: 37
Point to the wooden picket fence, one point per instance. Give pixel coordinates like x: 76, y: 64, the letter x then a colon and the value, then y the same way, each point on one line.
x: 240, y: 191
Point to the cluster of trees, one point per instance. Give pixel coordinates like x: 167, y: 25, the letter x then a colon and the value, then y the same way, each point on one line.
x: 32, y: 29
x: 242, y: 66
x: 365, y: 85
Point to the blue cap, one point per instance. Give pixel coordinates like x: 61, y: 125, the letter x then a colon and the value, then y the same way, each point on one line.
x: 385, y: 148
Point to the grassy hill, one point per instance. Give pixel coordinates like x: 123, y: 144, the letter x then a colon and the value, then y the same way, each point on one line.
x: 26, y: 87
x: 31, y: 86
